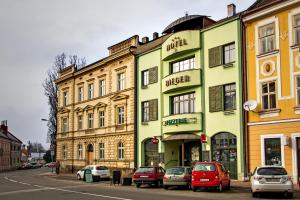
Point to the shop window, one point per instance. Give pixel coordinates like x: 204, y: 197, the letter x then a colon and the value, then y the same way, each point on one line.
x: 272, y: 151
x: 269, y: 95
x: 267, y: 38
x: 151, y: 153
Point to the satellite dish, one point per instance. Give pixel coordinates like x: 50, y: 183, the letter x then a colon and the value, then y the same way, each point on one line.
x: 250, y: 105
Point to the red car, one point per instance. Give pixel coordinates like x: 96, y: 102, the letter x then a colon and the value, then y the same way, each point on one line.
x: 149, y: 176
x: 210, y: 175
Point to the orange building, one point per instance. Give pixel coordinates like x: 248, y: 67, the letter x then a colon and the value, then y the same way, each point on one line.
x: 272, y: 34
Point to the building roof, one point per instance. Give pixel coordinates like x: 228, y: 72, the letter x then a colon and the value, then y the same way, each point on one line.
x: 262, y: 3
x: 13, y: 138
x: 3, y: 135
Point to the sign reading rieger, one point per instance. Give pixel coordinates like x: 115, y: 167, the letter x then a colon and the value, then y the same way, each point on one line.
x: 178, y: 80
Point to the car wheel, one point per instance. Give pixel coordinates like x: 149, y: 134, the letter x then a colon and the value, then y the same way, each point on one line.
x: 254, y: 194
x: 138, y: 185
x: 166, y: 187
x: 228, y: 186
x: 289, y: 195
x: 78, y: 177
x: 220, y: 188
x: 194, y: 189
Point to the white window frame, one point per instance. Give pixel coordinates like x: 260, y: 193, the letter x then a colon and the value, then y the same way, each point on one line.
x: 65, y: 125
x: 121, y: 151
x: 102, y: 91
x: 80, y: 151
x: 230, y: 51
x: 145, y: 75
x: 65, y: 98
x: 121, y: 81
x: 120, y: 115
x: 262, y: 146
x: 146, y: 111
x: 80, y: 93
x: 90, y: 120
x: 183, y: 65
x: 101, y: 119
x: 101, y: 151
x: 297, y: 90
x: 267, y: 38
x: 90, y: 90
x: 268, y: 94
x: 64, y: 147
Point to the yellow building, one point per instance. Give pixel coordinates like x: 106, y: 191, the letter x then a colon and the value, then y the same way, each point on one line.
x: 272, y: 30
x: 96, y: 111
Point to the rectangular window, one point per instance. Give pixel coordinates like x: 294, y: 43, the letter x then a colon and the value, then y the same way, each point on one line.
x: 80, y: 94
x: 269, y: 95
x: 272, y: 150
x: 183, y: 65
x: 101, y: 151
x: 121, y: 81
x: 80, y: 157
x: 183, y: 104
x: 79, y: 122
x: 90, y: 120
x: 145, y: 111
x: 90, y: 91
x: 297, y: 29
x: 65, y: 98
x: 102, y: 88
x: 298, y: 89
x: 64, y: 147
x: 229, y: 53
x: 145, y: 77
x: 101, y: 118
x: 121, y: 116
x: 229, y: 97
x: 267, y: 38
x: 64, y: 125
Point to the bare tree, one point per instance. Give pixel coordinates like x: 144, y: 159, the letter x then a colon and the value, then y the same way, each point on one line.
x: 50, y: 89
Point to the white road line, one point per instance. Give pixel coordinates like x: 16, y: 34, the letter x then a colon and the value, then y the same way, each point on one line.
x: 24, y: 183
x: 22, y: 191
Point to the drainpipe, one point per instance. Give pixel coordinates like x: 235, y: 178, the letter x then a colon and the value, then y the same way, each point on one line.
x: 132, y: 52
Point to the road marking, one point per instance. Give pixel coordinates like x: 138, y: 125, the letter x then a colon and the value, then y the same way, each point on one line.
x: 22, y: 191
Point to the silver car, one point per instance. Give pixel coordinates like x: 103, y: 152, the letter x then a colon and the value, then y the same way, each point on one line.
x: 271, y: 179
x: 178, y: 176
x: 98, y: 172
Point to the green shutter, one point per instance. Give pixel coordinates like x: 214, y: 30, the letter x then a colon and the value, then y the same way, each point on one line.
x: 215, y: 56
x: 153, y: 75
x: 153, y: 108
x: 216, y: 98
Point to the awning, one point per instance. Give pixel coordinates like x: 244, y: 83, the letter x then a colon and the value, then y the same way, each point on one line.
x: 183, y: 137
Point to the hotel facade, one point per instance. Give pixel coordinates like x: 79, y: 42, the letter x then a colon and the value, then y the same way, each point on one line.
x: 272, y: 31
x: 96, y: 111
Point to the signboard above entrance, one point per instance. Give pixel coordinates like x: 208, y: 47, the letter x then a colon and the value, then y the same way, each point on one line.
x: 177, y: 122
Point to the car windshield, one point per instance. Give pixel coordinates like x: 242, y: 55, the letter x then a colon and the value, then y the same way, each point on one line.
x: 145, y: 169
x: 205, y: 167
x: 175, y: 171
x: 101, y: 168
x: 271, y: 171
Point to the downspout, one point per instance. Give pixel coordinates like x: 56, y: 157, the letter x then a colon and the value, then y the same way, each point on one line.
x: 244, y: 99
x: 73, y: 107
x: 135, y: 135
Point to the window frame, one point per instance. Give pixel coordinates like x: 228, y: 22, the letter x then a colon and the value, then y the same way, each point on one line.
x: 120, y: 115
x: 101, y: 119
x: 65, y: 124
x: 90, y: 120
x: 121, y: 151
x: 79, y: 122
x: 80, y: 152
x: 145, y: 115
x: 64, y: 147
x: 232, y: 94
x: 295, y: 29
x: 101, y: 151
x: 275, y: 136
x: 145, y: 77
x: 230, y: 53
x: 297, y: 91
x: 268, y: 94
x: 65, y: 98
x: 80, y: 94
x: 90, y: 91
x: 121, y: 81
x: 179, y: 103
x: 191, y: 65
x: 102, y: 88
x: 267, y: 36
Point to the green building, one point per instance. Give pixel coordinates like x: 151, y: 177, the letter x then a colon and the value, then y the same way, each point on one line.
x: 189, y: 94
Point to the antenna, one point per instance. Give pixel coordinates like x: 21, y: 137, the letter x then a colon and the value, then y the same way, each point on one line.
x: 186, y: 13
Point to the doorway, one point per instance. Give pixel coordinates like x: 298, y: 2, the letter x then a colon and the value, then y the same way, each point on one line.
x: 192, y: 153
x: 90, y: 154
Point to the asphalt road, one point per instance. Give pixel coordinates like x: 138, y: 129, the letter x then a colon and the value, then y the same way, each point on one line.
x: 34, y: 184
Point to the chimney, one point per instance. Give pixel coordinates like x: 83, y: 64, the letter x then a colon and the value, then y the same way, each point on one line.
x: 231, y: 10
x: 4, y: 126
x: 155, y: 35
x: 145, y: 40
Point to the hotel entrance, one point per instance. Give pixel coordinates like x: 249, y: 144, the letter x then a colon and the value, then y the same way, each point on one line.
x: 192, y: 153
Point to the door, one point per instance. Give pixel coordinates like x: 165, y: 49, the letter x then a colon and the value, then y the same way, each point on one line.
x: 90, y: 154
x: 298, y: 157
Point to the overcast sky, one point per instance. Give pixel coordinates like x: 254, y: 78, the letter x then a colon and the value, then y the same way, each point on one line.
x: 33, y: 32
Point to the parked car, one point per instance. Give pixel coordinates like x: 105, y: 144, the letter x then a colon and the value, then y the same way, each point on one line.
x: 151, y: 175
x: 271, y: 179
x: 178, y: 176
x: 50, y: 165
x: 98, y: 172
x: 210, y: 175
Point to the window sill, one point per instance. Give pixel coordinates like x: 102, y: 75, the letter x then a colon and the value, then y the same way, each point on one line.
x: 228, y: 65
x: 267, y: 53
x: 144, y: 86
x: 228, y: 112
x: 297, y: 110
x: 295, y: 46
x: 269, y: 113
x: 120, y: 127
x: 144, y: 123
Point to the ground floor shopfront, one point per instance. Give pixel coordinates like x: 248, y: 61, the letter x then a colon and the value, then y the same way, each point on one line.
x: 112, y: 151
x: 275, y: 143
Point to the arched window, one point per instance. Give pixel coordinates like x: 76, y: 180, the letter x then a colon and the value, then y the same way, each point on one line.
x: 64, y: 148
x: 120, y: 151
x: 151, y: 153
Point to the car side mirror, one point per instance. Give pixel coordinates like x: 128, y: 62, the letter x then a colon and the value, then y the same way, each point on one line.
x: 228, y: 172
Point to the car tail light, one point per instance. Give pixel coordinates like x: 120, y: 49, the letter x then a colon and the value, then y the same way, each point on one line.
x: 260, y: 179
x: 217, y: 177
x: 165, y: 177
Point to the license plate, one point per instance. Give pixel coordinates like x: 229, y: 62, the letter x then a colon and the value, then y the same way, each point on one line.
x: 272, y: 179
x: 204, y: 179
x: 144, y: 176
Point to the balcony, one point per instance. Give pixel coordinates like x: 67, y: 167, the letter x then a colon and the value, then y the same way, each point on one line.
x: 181, y: 80
x: 182, y: 123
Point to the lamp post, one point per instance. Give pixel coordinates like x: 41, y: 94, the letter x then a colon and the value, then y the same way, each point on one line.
x: 52, y: 144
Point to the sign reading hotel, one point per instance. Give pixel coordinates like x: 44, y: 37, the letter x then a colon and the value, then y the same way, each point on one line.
x: 176, y: 122
x: 176, y: 42
x: 178, y: 80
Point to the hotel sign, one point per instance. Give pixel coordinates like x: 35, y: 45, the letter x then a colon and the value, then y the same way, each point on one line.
x: 176, y: 42
x: 177, y: 122
x: 178, y: 80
